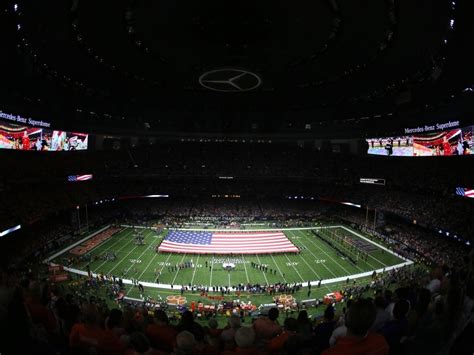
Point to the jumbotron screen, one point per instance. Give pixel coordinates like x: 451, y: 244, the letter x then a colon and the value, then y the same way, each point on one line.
x: 18, y: 137
x: 451, y: 142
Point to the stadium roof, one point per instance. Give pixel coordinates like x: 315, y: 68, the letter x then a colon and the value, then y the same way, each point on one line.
x: 239, y: 66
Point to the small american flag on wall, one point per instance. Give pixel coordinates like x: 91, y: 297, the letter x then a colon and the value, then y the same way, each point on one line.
x: 74, y: 178
x: 465, y: 192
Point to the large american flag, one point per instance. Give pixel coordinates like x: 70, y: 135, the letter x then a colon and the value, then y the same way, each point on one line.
x: 462, y: 191
x: 203, y: 242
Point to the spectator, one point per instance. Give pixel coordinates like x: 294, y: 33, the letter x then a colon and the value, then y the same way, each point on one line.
x: 277, y: 344
x: 214, y: 331
x: 323, y: 331
x: 382, y: 316
x: 88, y: 335
x: 359, y: 318
x: 160, y: 333
x: 139, y: 344
x: 304, y: 325
x: 394, y: 330
x: 267, y: 327
x: 185, y: 343
x: 187, y: 323
x: 228, y: 333
x: 244, y: 339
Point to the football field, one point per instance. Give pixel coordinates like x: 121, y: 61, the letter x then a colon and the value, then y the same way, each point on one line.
x: 331, y: 254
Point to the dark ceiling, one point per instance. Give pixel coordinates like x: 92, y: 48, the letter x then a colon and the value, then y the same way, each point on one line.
x: 166, y: 62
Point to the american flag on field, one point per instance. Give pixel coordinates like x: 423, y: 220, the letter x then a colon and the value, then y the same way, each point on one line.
x: 203, y: 242
x: 79, y: 177
x: 465, y: 192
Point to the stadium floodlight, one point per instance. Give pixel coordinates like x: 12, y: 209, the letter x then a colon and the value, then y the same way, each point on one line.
x: 351, y: 204
x: 10, y: 230
x: 15, y: 7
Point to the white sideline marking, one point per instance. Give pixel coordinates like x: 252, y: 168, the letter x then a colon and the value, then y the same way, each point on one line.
x: 263, y: 272
x: 194, y: 271
x: 245, y: 267
x: 314, y: 256
x: 114, y: 244
x: 179, y: 269
x: 276, y: 264
x: 301, y: 277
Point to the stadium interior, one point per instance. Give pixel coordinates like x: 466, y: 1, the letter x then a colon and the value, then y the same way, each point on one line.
x: 257, y: 177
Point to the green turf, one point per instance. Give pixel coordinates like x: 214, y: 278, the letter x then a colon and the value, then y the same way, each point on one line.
x: 317, y: 261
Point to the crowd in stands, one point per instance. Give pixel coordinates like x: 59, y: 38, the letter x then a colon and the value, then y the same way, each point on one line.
x: 418, y: 189
x: 424, y: 314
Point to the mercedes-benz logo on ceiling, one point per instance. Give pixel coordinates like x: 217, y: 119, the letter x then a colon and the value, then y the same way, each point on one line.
x: 230, y: 80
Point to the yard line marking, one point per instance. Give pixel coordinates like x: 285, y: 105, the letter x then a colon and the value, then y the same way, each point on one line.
x: 116, y: 239
x: 318, y: 276
x: 212, y: 268
x: 302, y: 279
x: 265, y: 276
x: 153, y: 258
x: 164, y: 264
x: 329, y: 256
x: 315, y: 256
x: 363, y: 261
x: 245, y: 267
x: 146, y: 268
x: 139, y: 257
x: 314, y: 271
x: 96, y: 269
x: 139, y: 277
x: 125, y: 258
x: 372, y: 242
x: 276, y: 264
x: 357, y: 258
x: 179, y: 269
x: 194, y: 272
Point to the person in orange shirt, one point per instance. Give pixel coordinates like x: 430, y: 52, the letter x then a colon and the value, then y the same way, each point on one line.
x: 162, y: 336
x: 89, y: 335
x: 277, y: 343
x: 267, y: 327
x: 39, y: 313
x: 359, y: 341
